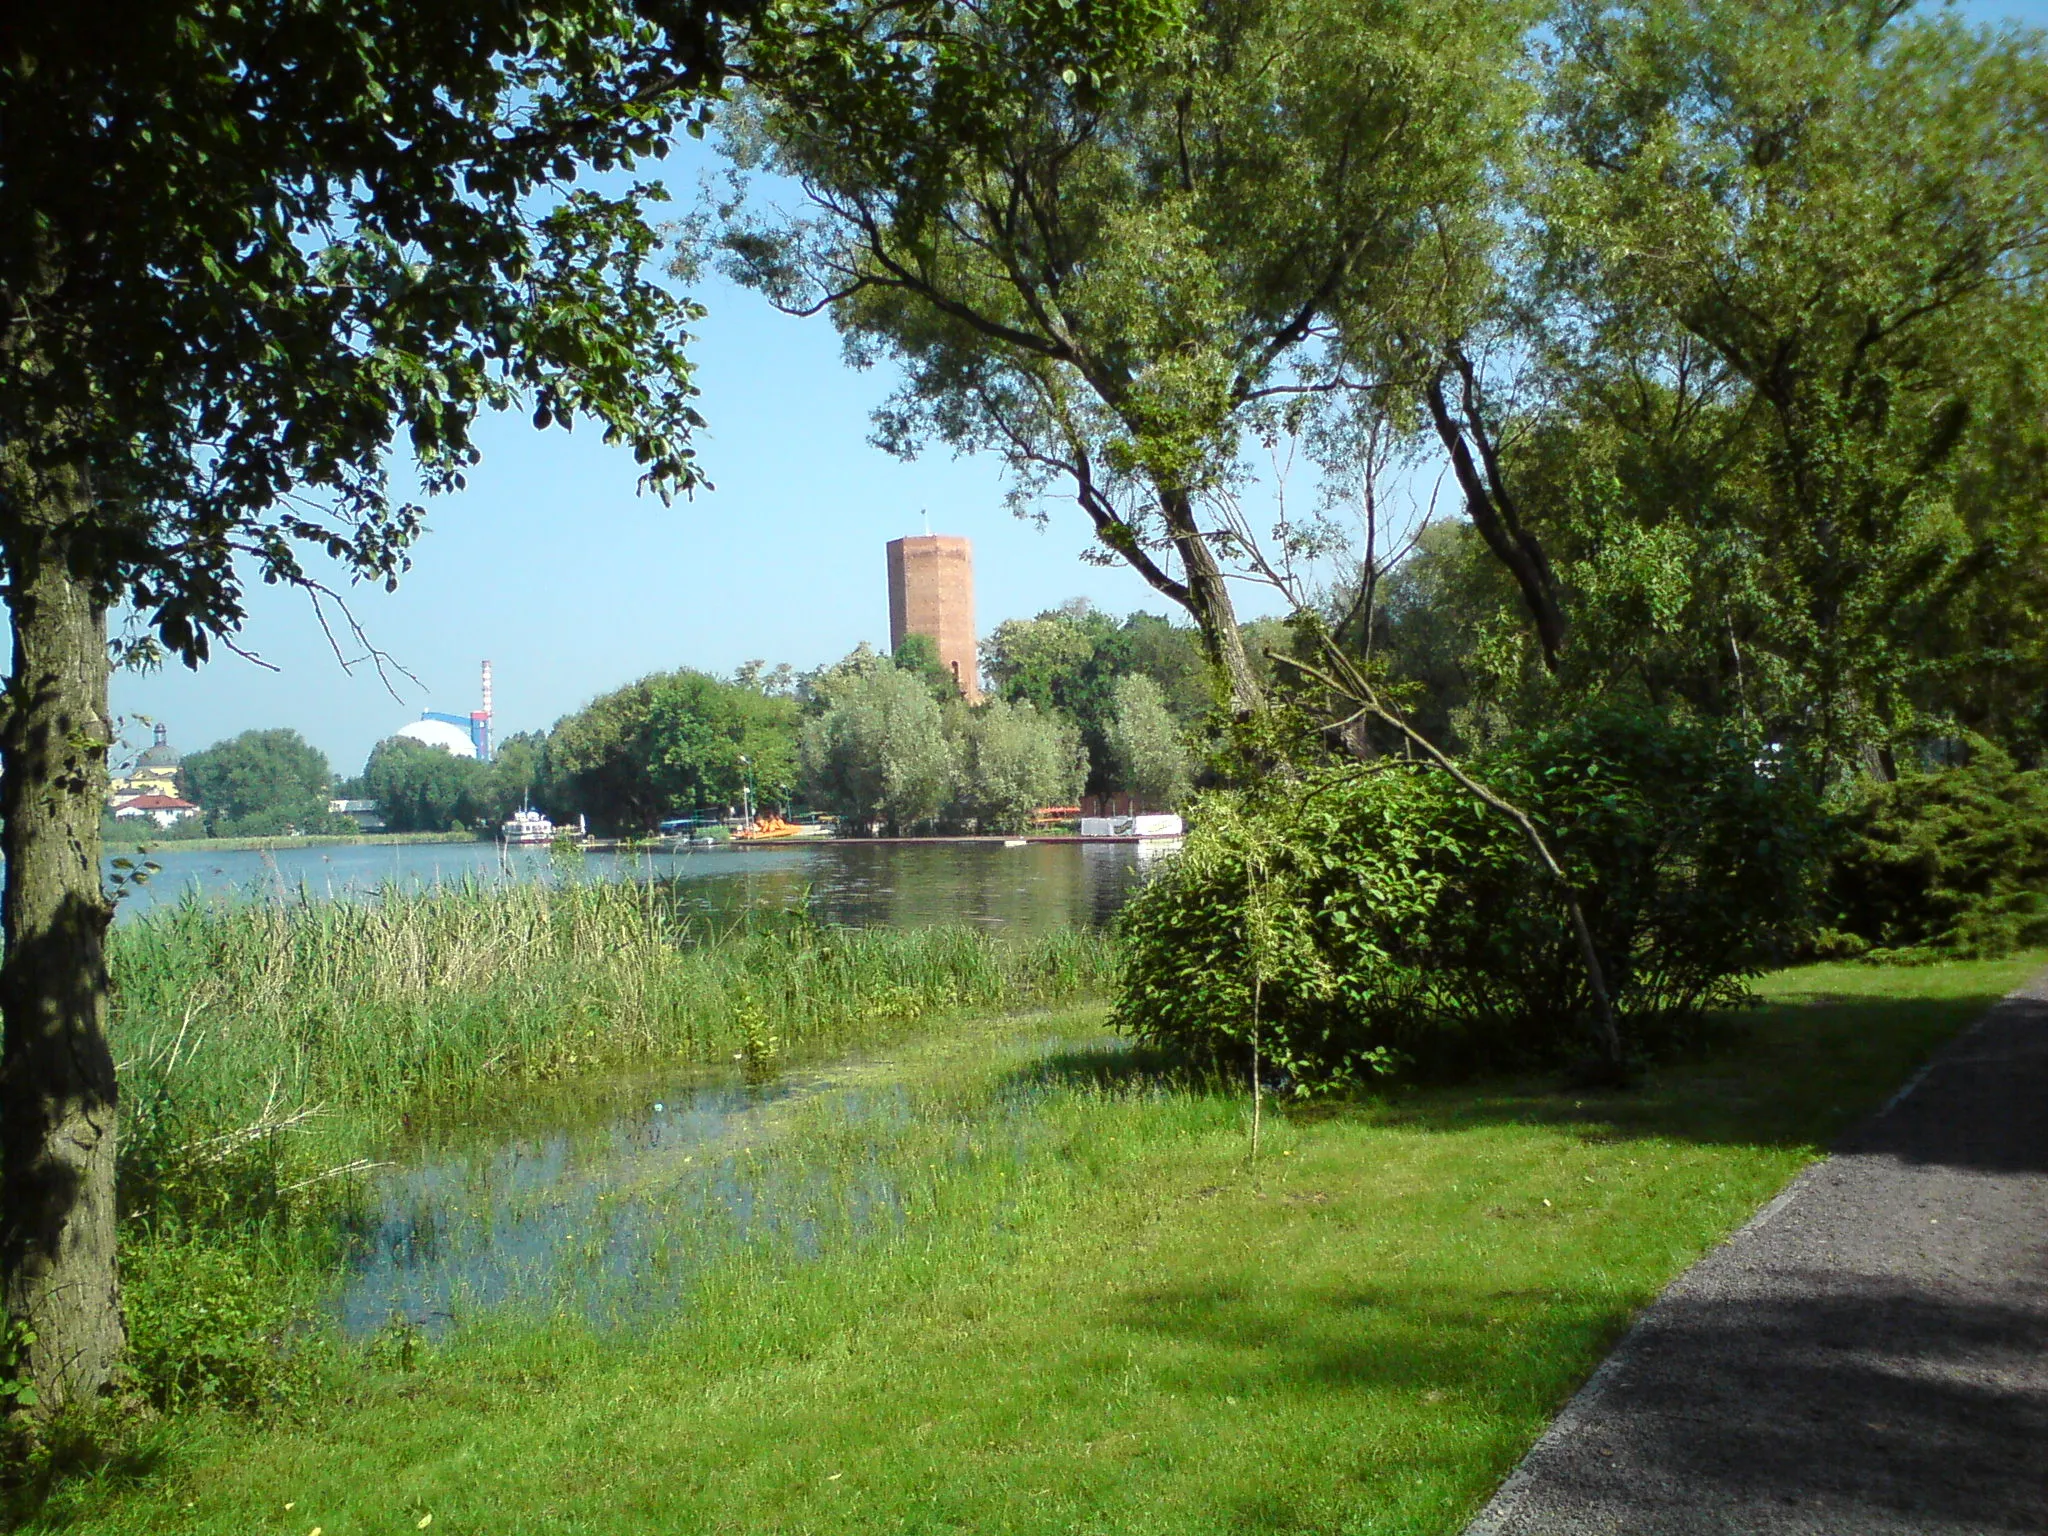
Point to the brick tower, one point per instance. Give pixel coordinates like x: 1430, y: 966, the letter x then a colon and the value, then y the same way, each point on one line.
x: 931, y: 592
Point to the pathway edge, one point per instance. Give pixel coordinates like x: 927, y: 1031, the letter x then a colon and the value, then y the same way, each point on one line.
x: 1496, y: 1517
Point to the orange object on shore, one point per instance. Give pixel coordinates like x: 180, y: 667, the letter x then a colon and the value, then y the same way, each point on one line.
x: 766, y: 827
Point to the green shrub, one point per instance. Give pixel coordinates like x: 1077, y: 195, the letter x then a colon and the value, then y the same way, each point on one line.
x: 1393, y: 919
x: 1941, y: 865
x: 206, y: 1325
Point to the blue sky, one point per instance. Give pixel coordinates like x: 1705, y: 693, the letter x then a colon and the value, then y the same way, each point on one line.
x: 551, y: 566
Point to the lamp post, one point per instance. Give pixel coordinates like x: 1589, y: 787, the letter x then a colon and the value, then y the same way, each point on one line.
x: 746, y: 791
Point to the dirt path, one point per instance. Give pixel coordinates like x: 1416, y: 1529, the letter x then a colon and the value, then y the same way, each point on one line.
x: 1868, y: 1356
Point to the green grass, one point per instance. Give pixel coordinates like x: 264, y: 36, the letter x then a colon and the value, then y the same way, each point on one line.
x: 1091, y: 1316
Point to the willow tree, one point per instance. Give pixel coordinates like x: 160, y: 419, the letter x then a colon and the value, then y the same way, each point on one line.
x: 248, y: 252
x: 1102, y: 238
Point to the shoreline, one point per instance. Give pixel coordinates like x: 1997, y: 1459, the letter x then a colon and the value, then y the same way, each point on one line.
x: 963, y: 837
x: 259, y: 844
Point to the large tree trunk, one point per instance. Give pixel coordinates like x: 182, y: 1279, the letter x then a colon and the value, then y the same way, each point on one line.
x: 57, y: 1096
x: 1208, y: 600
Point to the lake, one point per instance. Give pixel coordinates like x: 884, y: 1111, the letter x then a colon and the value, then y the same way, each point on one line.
x: 1034, y: 888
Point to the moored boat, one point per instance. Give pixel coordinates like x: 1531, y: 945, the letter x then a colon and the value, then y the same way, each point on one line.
x: 528, y: 829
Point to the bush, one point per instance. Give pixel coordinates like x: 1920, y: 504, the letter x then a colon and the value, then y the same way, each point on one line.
x: 207, y: 1326
x: 1391, y: 919
x: 1951, y: 864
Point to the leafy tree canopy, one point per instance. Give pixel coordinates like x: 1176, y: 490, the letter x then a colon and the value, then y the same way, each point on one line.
x: 420, y: 787
x: 1789, y: 278
x: 248, y: 250
x: 1148, y: 750
x: 919, y: 656
x: 878, y: 751
x: 672, y: 742
x: 260, y: 783
x: 1012, y: 759
x: 1103, y: 239
x: 247, y: 253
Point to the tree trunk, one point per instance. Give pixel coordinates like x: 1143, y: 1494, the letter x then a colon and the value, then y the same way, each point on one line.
x: 1208, y: 600
x: 1493, y: 513
x: 57, y: 1093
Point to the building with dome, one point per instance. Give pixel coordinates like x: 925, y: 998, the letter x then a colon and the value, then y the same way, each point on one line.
x: 458, y: 735
x: 154, y: 772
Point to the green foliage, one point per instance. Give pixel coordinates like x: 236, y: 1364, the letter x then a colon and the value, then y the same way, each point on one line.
x: 1787, y: 289
x: 1026, y: 1163
x: 1147, y: 749
x: 1238, y: 187
x: 919, y: 656
x: 671, y: 742
x: 1053, y: 661
x: 1941, y: 865
x: 17, y: 1383
x: 419, y: 787
x: 518, y: 770
x: 1073, y: 659
x: 233, y: 313
x: 1422, y: 931
x: 265, y: 1045
x: 207, y: 1326
x: 261, y: 784
x: 1013, y: 759
x: 879, y: 751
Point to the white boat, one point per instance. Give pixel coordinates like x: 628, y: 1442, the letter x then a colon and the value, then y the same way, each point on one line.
x: 527, y: 829
x: 1142, y: 827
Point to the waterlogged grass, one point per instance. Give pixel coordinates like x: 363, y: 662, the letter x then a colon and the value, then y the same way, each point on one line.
x: 264, y: 1044
x: 1080, y: 1310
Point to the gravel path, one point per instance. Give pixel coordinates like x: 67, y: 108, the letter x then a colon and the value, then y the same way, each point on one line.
x: 1868, y: 1356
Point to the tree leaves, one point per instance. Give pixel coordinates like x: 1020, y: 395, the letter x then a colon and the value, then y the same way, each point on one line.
x: 251, y: 249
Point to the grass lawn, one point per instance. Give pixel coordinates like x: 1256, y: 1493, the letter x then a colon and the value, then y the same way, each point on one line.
x: 1084, y: 1313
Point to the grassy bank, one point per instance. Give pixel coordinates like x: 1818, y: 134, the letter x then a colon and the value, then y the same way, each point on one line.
x: 1083, y: 1310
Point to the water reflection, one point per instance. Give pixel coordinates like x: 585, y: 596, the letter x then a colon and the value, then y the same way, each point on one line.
x: 1031, y: 889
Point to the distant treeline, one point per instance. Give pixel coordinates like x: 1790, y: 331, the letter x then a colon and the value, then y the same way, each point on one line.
x: 1078, y: 701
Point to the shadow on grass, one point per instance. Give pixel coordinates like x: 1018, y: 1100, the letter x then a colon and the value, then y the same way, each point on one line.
x: 1801, y: 1073
x: 62, y: 1484
x: 1121, y: 1067
x: 1273, y: 1336
x: 1784, y: 1075
x: 1824, y: 1402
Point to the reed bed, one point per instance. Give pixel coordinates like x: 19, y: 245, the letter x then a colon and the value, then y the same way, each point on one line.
x: 338, y: 1020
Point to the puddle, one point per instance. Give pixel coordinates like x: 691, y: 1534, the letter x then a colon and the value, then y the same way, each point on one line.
x: 604, y: 1217
x: 607, y: 1200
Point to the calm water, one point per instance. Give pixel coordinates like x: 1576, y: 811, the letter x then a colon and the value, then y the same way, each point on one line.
x: 601, y: 1200
x: 1029, y: 889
